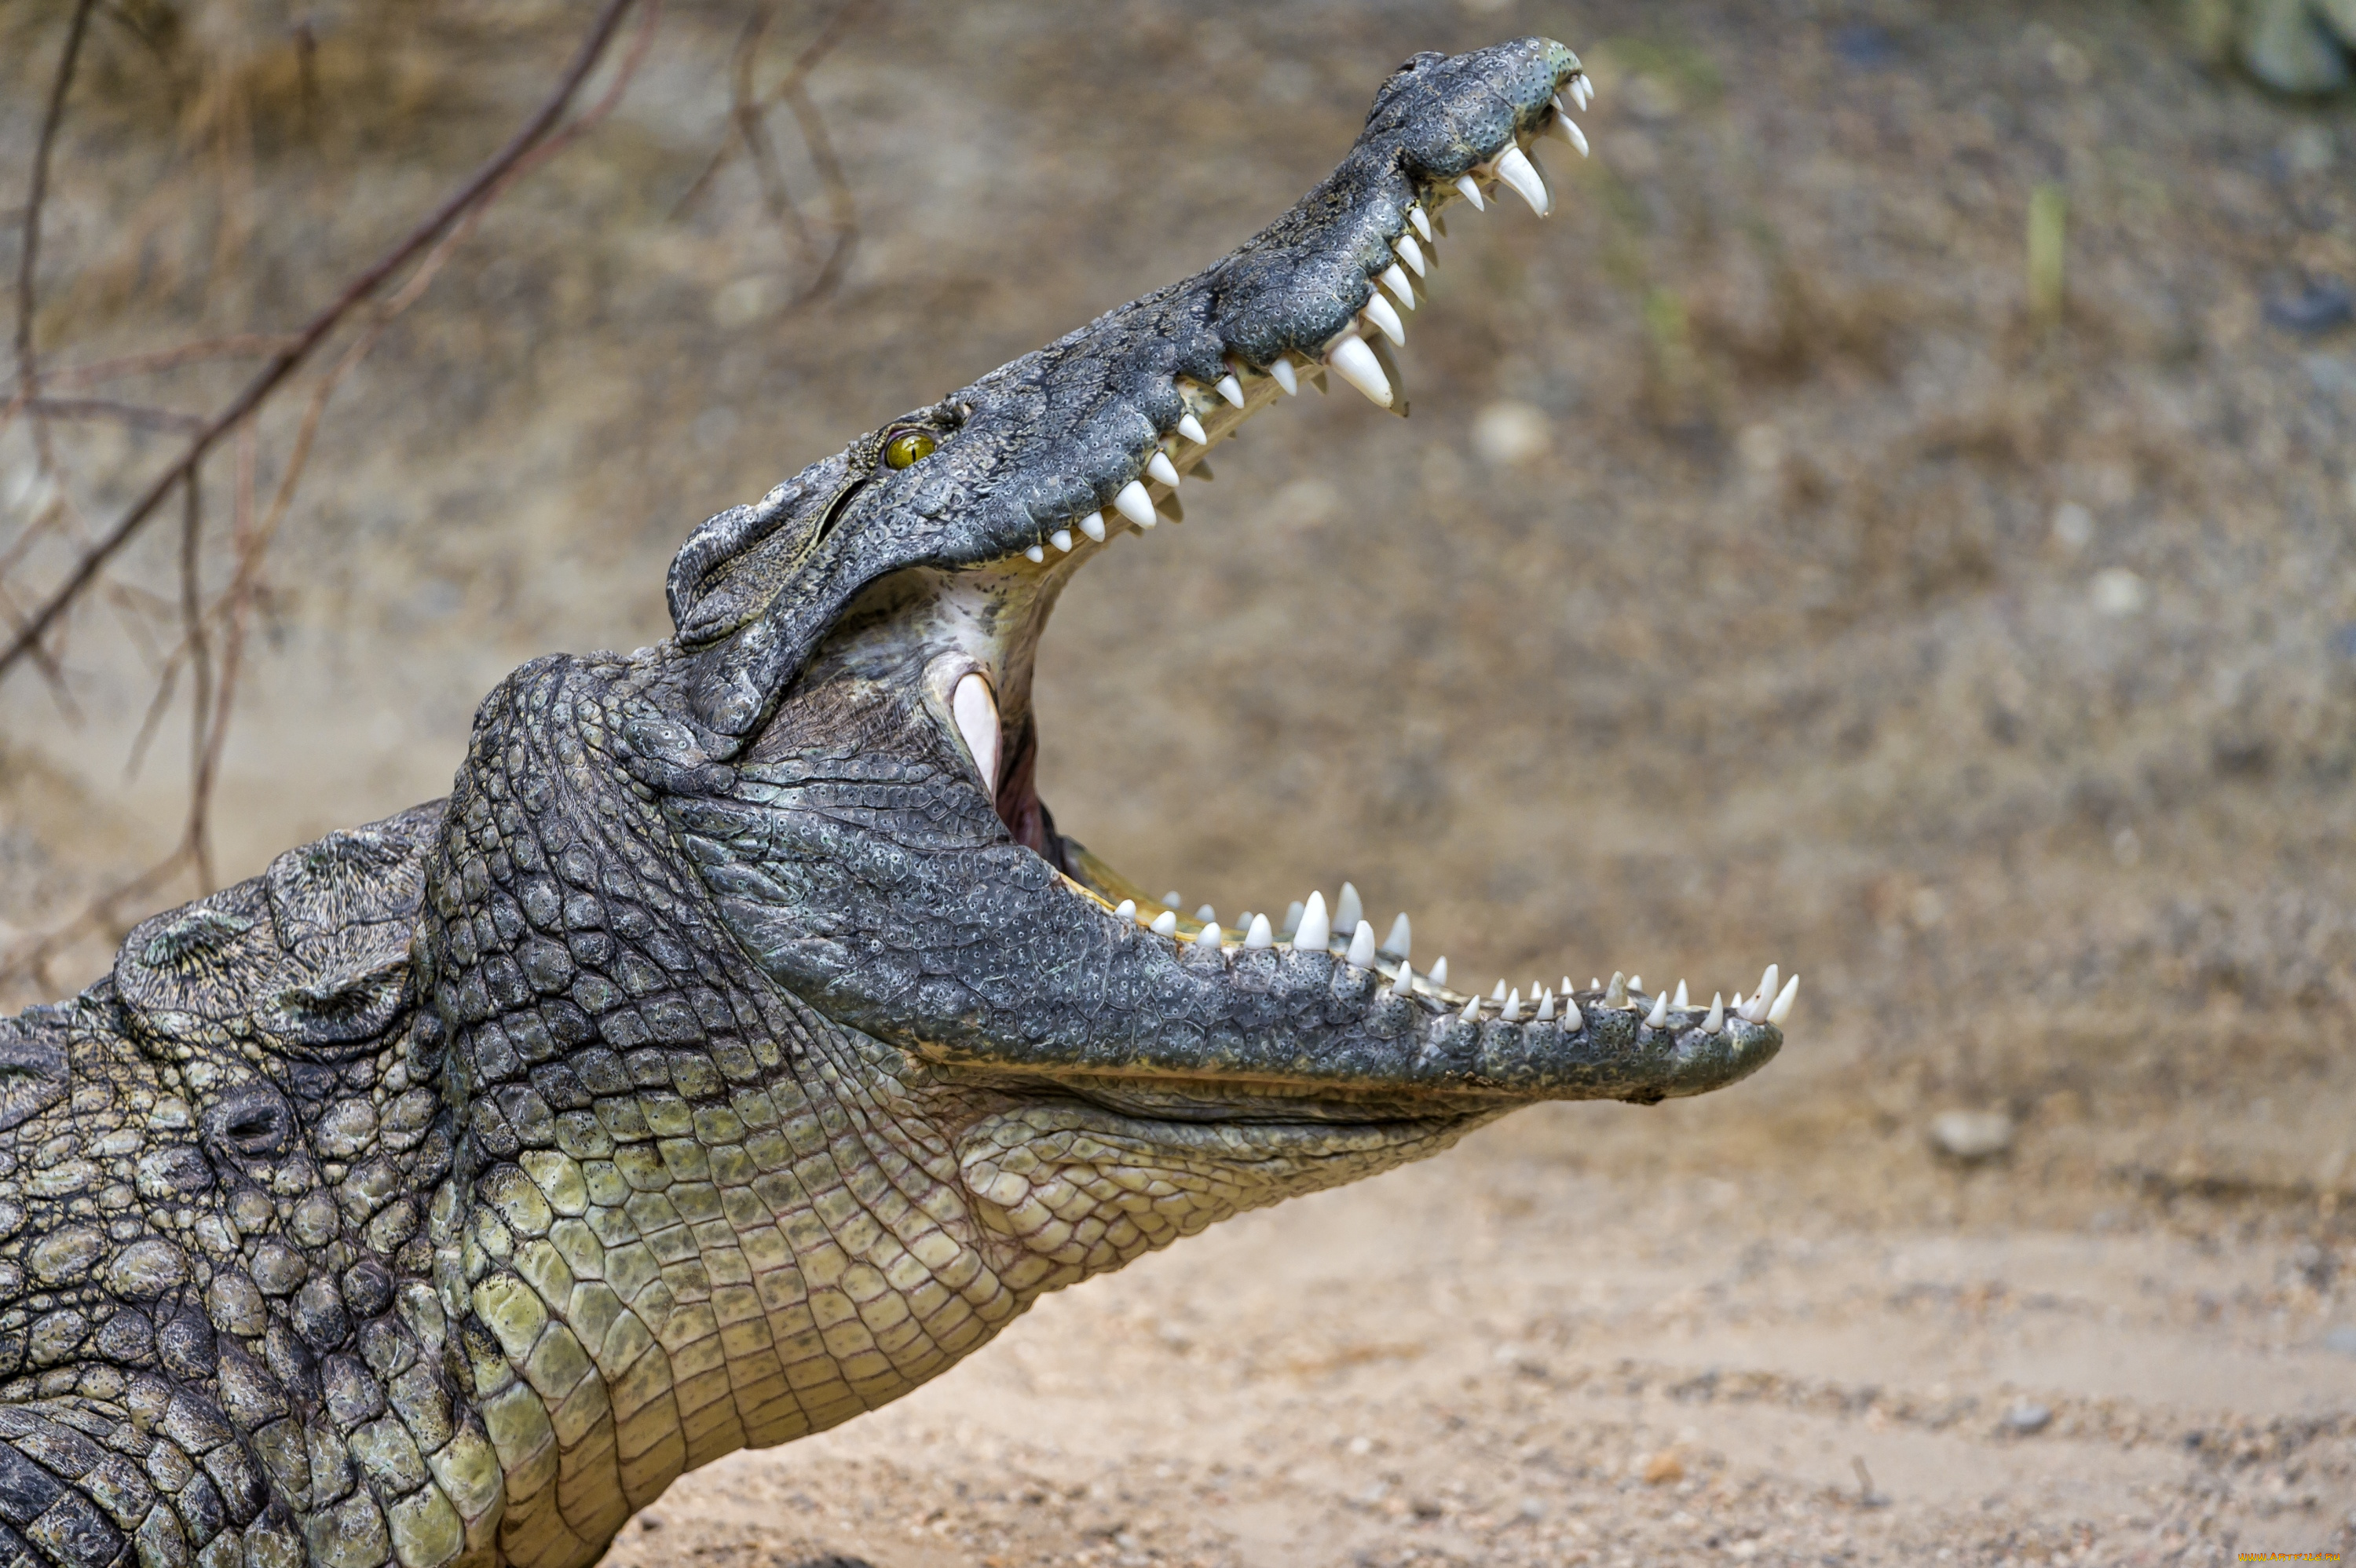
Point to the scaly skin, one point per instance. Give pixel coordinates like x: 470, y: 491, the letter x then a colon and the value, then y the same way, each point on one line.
x: 739, y: 1045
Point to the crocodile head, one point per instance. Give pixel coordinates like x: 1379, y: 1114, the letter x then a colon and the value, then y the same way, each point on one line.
x: 762, y: 939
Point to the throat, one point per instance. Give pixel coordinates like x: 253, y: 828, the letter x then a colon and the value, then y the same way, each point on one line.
x: 1018, y: 806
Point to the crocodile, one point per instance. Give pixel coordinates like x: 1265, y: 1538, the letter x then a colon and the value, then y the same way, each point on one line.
x: 739, y: 1044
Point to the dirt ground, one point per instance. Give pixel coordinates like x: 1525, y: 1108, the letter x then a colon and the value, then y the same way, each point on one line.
x: 1761, y: 574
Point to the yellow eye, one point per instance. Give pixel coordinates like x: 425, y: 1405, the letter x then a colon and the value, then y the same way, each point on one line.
x: 910, y: 446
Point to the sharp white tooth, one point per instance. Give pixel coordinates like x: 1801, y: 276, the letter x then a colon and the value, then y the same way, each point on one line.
x: 1126, y: 908
x: 1172, y: 899
x: 1755, y: 1009
x: 1499, y: 994
x: 1411, y: 254
x: 1282, y: 370
x: 1207, y: 914
x: 1165, y: 923
x: 1422, y: 224
x: 1583, y: 87
x: 1357, y: 365
x: 1062, y: 540
x: 1093, y: 526
x: 1681, y: 1004
x: 1573, y: 1020
x: 1471, y: 189
x: 1404, y: 985
x: 1259, y: 935
x: 1380, y: 310
x: 1348, y: 910
x: 1512, y: 1013
x: 976, y: 713
x: 1314, y: 932
x: 1210, y: 937
x: 1546, y: 1008
x: 1135, y: 505
x: 1159, y: 466
x: 1439, y: 975
x: 1293, y: 913
x: 1399, y: 943
x: 1395, y: 278
x: 1636, y: 982
x: 1037, y: 552
x: 1191, y: 429
x: 1362, y: 945
x: 1569, y: 130
x: 1567, y: 986
x: 1615, y: 996
x: 1783, y: 1007
x: 1716, y: 1019
x: 1660, y: 1013
x: 1231, y: 389
x: 1514, y: 167
x: 1472, y: 1014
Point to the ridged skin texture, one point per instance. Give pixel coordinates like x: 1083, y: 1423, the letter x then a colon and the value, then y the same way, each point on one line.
x: 714, y: 1064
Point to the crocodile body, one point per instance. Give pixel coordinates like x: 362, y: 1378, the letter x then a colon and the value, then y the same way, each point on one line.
x: 740, y: 1045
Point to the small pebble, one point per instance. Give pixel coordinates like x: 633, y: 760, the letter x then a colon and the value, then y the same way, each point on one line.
x: 1971, y: 1136
x: 2028, y: 1418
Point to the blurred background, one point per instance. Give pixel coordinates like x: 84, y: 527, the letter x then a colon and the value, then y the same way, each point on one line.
x: 1898, y: 519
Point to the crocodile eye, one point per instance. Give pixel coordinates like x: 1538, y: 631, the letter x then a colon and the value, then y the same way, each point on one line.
x: 908, y: 447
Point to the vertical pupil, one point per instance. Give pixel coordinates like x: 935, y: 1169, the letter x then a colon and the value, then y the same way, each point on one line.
x: 908, y: 446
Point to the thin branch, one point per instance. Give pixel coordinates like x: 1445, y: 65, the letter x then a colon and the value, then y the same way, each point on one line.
x: 201, y: 656
x: 750, y: 116
x: 29, y: 370
x: 239, y: 346
x: 747, y: 128
x: 138, y: 416
x: 491, y: 175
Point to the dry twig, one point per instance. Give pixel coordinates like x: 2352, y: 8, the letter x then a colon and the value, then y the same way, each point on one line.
x: 748, y: 129
x: 228, y: 617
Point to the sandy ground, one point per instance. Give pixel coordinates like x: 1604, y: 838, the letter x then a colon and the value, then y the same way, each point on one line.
x: 1758, y: 577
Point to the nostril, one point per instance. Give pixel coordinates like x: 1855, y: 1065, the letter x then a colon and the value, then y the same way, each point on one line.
x: 976, y: 713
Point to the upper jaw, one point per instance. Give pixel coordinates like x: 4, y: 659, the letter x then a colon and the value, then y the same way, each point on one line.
x: 1069, y: 435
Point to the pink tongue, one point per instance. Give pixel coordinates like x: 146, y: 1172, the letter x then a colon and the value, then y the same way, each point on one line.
x: 976, y: 712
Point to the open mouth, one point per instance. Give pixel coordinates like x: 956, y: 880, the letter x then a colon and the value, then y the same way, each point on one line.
x: 1000, y: 736
x: 897, y: 594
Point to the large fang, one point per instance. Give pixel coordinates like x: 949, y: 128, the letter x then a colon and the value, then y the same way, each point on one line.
x: 1135, y: 505
x: 1471, y: 189
x: 1160, y: 468
x: 1231, y: 389
x: 1411, y: 254
x: 1783, y: 1007
x: 1660, y: 1013
x: 1348, y: 909
x: 1093, y: 526
x: 1716, y: 1019
x: 1615, y: 996
x: 1314, y: 931
x: 1191, y: 429
x: 1422, y: 224
x: 976, y: 712
x: 1514, y: 167
x: 1356, y: 364
x: 1394, y: 278
x: 1380, y: 310
x: 1362, y: 946
x: 1755, y: 1009
x: 1282, y: 370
